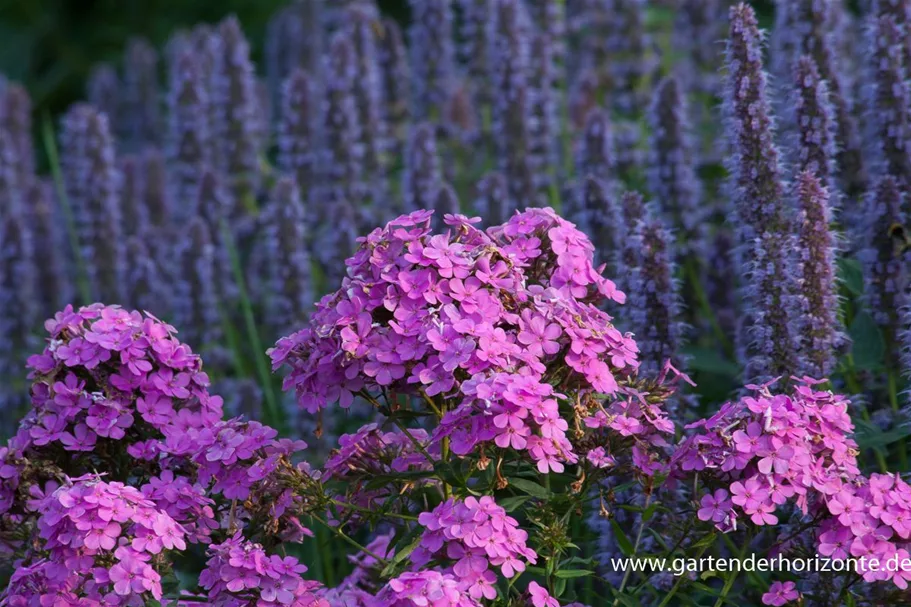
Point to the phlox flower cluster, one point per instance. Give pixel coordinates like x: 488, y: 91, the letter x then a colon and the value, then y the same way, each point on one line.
x: 240, y: 573
x: 487, y: 322
x: 477, y: 535
x: 103, y: 542
x: 768, y: 450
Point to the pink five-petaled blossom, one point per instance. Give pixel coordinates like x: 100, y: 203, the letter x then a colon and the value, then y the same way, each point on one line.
x: 540, y: 597
x: 780, y: 593
x: 715, y: 507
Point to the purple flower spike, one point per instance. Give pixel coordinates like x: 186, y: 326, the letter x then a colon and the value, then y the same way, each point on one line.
x: 289, y: 262
x: 196, y: 301
x: 595, y: 157
x: 236, y: 109
x: 600, y: 214
x: 91, y: 180
x: 297, y: 129
x: 432, y: 55
x: 445, y: 202
x: 11, y: 191
x: 145, y: 287
x: 631, y: 213
x: 422, y: 175
x: 16, y: 118
x: 54, y: 286
x: 822, y: 335
x: 512, y: 106
x: 104, y: 92
x: 189, y: 146
x: 141, y: 95
x: 492, y: 199
x: 544, y: 134
x: 698, y: 27
x: 474, y: 32
x: 17, y: 296
x: 671, y: 171
x: 396, y: 83
x: 815, y: 148
x: 214, y: 204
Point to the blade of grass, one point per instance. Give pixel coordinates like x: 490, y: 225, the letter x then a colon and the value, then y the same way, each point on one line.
x: 53, y: 158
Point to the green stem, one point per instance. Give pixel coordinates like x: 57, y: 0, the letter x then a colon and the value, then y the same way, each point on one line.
x: 626, y: 574
x: 347, y: 538
x: 706, y: 307
x: 893, y: 400
x: 345, y: 506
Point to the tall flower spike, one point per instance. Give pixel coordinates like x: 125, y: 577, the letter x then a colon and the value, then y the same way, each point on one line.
x: 595, y: 157
x: 445, y: 201
x: 141, y: 98
x: 294, y: 40
x: 17, y: 280
x: 473, y: 50
x: 900, y: 11
x: 54, y: 288
x: 396, y: 81
x: 890, y: 102
x: 512, y: 105
x: 820, y: 328
x: 549, y: 17
x: 104, y: 91
x: 544, y: 135
x: 886, y: 273
x: 361, y: 24
x: 214, y: 205
x: 601, y: 219
x: 768, y: 339
x: 289, y: 263
x: 630, y: 66
x: 16, y: 116
x: 814, y: 148
x: 671, y: 170
x: 91, y: 181
x: 236, y: 113
x: 196, y: 296
x: 492, y: 199
x: 698, y: 27
x: 422, y: 175
x: 340, y: 166
x: 145, y: 290
x: 132, y: 190
x: 189, y: 143
x: 10, y: 186
x: 156, y: 197
x: 432, y: 56
x: 631, y: 213
x: 297, y: 130
x: 655, y: 310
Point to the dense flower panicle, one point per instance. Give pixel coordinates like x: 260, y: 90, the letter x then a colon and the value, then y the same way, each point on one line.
x: 132, y: 206
x: 289, y: 261
x: 189, y: 141
x: 422, y: 175
x: 601, y: 215
x: 544, y: 132
x: 889, y: 102
x: 294, y: 41
x: 236, y: 114
x: 671, y: 170
x: 16, y: 120
x: 141, y: 110
x: 53, y: 284
x: 414, y: 589
x: 395, y: 75
x: 511, y: 116
x: 240, y: 572
x: 214, y: 204
x: 767, y: 339
x: 900, y: 11
x: 655, y: 309
x: 145, y: 289
x: 699, y: 25
x: 297, y: 129
x: 473, y: 29
x: 886, y: 273
x: 821, y: 331
x: 492, y: 198
x: 104, y: 92
x: 91, y: 181
x: 340, y: 169
x: 17, y: 296
x: 595, y: 156
x: 411, y: 329
x: 196, y: 292
x: 630, y: 213
x: 103, y: 542
x: 432, y: 56
x: 814, y: 149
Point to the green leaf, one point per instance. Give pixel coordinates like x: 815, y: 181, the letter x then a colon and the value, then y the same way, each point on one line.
x: 530, y: 487
x: 870, y: 436
x: 626, y: 546
x: 704, y: 541
x: 573, y: 573
x: 851, y: 275
x: 399, y: 557
x: 510, y: 504
x: 709, y: 360
x: 868, y: 344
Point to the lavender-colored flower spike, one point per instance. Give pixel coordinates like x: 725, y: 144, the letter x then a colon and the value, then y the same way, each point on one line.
x: 294, y: 40
x: 145, y: 289
x: 474, y: 36
x: 142, y: 98
x: 17, y: 275
x: 396, y: 83
x: 156, y: 196
x: 631, y: 214
x: 900, y: 11
x: 91, y: 180
x: 297, y: 129
x: 289, y: 262
x: 422, y: 175
x: 103, y: 92
x: 445, y: 201
x: 814, y: 148
x: 360, y: 23
x: 195, y: 293
x: 512, y: 105
x: 820, y: 328
x: 189, y: 132
x: 432, y: 55
x: 492, y: 199
x: 630, y: 66
x: 769, y: 340
x: 544, y: 133
x: 16, y: 118
x: 890, y: 102
x: 341, y: 175
x: 53, y: 287
x: 601, y: 218
x: 549, y: 16
x: 698, y: 28
x: 655, y: 309
x: 671, y: 172
x: 214, y: 205
x: 11, y: 202
x: 595, y: 157
x: 236, y: 113
x: 132, y: 194
x: 886, y: 273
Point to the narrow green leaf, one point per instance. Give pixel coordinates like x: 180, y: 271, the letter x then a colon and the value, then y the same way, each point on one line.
x: 530, y: 487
